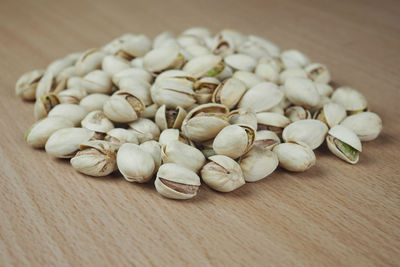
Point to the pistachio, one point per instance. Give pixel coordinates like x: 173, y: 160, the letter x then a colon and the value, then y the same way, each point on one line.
x: 258, y: 163
x: 318, y: 73
x: 163, y: 58
x: 302, y: 92
x: 229, y: 92
x: 296, y: 113
x: 164, y: 39
x: 261, y: 97
x: 222, y: 44
x: 268, y: 68
x: 150, y: 111
x: 195, y: 50
x: 241, y: 62
x: 331, y: 114
x: 206, y: 148
x: 207, y: 65
x: 170, y: 118
x: 72, y: 112
x: 367, y: 125
x: 234, y: 141
x: 121, y: 136
x: 94, y: 102
x: 258, y: 47
x: 154, y: 149
x: 204, y: 88
x: 89, y: 61
x: 97, y: 121
x: 243, y: 116
x: 134, y: 73
x: 310, y: 132
x: 272, y: 122
x: 130, y: 46
x: 222, y: 174
x: 248, y: 78
x: 71, y: 96
x: 344, y: 144
x: 113, y: 64
x: 169, y: 135
x: 173, y: 92
x: 123, y: 107
x: 292, y: 73
x: 295, y: 157
x: 135, y: 164
x: 351, y: 99
x: 145, y: 129
x: 44, y: 104
x: 95, y: 158
x: 183, y: 154
x: 199, y: 32
x: 294, y: 59
x: 138, y: 88
x: 48, y: 85
x: 324, y: 89
x: 266, y: 139
x: 27, y: 83
x: 97, y: 81
x: 60, y: 64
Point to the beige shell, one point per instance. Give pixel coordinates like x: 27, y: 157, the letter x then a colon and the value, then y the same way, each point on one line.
x: 324, y: 89
x: 296, y: 113
x: 268, y: 68
x: 89, y: 61
x: 277, y: 109
x: 60, y: 64
x: 27, y: 84
x: 294, y: 59
x: 169, y: 135
x: 266, y: 139
x: 344, y: 143
x: 40, y: 132
x: 138, y: 88
x: 123, y: 107
x: 137, y: 62
x: 48, y: 85
x: 94, y: 102
x: 113, y: 64
x: 154, y: 149
x: 97, y: 121
x: 74, y: 113
x: 170, y: 118
x: 145, y: 129
x: 241, y: 62
x: 121, y: 136
x: 258, y: 163
x: 163, y: 58
x: 44, y: 104
x: 179, y: 74
x: 310, y: 132
x: 302, y: 92
x: 222, y: 44
x: 97, y: 81
x: 295, y: 157
x: 176, y: 182
x: 65, y: 142
x: 204, y: 88
x: 187, y: 40
x: 243, y: 116
x: 318, y: 72
x: 129, y: 46
x: 248, y: 78
x: 222, y: 174
x: 71, y: 95
x: 234, y: 141
x: 173, y: 92
x: 67, y: 73
x: 183, y: 155
x: 229, y: 92
x: 367, y: 125
x: 291, y: 73
x: 200, y: 32
x: 351, y: 99
x: 207, y: 65
x: 150, y: 111
x: 95, y: 158
x: 164, y: 39
x: 205, y: 121
x: 258, y: 47
x: 331, y: 114
x: 135, y: 164
x: 271, y: 121
x: 134, y: 73
x: 261, y: 97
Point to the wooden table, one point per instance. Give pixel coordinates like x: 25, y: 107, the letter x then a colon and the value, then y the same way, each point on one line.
x: 334, y: 214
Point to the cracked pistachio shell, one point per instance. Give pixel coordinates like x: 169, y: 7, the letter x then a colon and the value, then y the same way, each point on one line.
x: 222, y: 174
x: 150, y: 111
x: 183, y: 155
x: 72, y: 112
x: 95, y: 158
x: 266, y: 139
x: 135, y: 164
x: 302, y: 92
x: 169, y: 135
x: 140, y: 89
x: 163, y: 58
x: 351, y: 99
x: 173, y: 92
x: 40, y: 132
x: 248, y: 78
x: 170, y: 118
x: 179, y: 74
x: 176, y: 182
x: 121, y: 136
x: 131, y: 46
x: 154, y: 149
x: 296, y: 113
x: 324, y: 89
x: 97, y: 81
x: 67, y: 73
x: 123, y: 107
x: 60, y: 64
x: 258, y: 47
x: 310, y: 132
x: 291, y: 73
x: 241, y: 62
x: 229, y: 92
x: 258, y: 163
x: 94, y: 102
x: 318, y: 73
x: 44, y: 104
x: 97, y: 121
x: 268, y: 71
x: 145, y: 129
x: 207, y: 65
x: 135, y: 73
x: 261, y: 97
x: 367, y: 125
x: 89, y: 61
x: 71, y: 95
x: 237, y: 37
x: 114, y: 64
x: 331, y: 114
x: 27, y: 83
x: 48, y: 85
x: 205, y: 121
x: 65, y: 142
x: 204, y: 88
x: 226, y: 73
x: 222, y: 44
x: 344, y: 144
x: 295, y: 157
x: 234, y: 141
x: 243, y: 116
x: 271, y: 121
x: 294, y: 59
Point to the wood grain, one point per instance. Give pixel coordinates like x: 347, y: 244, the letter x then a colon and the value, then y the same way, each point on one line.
x: 334, y: 214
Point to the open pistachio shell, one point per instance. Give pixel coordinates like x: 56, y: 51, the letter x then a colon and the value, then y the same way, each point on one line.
x: 234, y: 140
x: 271, y: 121
x: 318, y: 73
x: 207, y: 65
x: 367, y: 125
x: 296, y: 113
x: 295, y: 157
x: 48, y: 85
x: 266, y: 139
x: 72, y: 95
x: 204, y: 88
x: 123, y: 107
x: 331, y: 114
x: 310, y: 132
x: 268, y: 68
x: 44, y: 104
x: 97, y: 121
x: 163, y: 58
x: 351, y: 99
x: 138, y: 88
x: 27, y: 83
x: 169, y: 135
x: 229, y: 92
x: 173, y: 92
x: 170, y: 118
x: 121, y: 136
x: 261, y: 97
x: 89, y: 61
x: 258, y: 163
x: 243, y: 116
x: 302, y: 92
x: 344, y: 143
x: 149, y: 112
x: 145, y: 129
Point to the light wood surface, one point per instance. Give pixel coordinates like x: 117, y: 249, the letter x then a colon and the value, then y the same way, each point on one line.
x: 335, y: 214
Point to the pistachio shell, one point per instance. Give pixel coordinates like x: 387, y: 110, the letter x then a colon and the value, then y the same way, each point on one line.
x: 234, y: 140
x: 295, y: 157
x: 248, y: 78
x: 229, y: 92
x: 200, y: 32
x: 72, y: 95
x: 291, y: 73
x: 258, y: 163
x: 154, y: 149
x: 241, y: 62
x: 89, y: 61
x: 344, y: 144
x: 94, y: 102
x: 331, y: 114
x: 97, y: 121
x: 138, y: 88
x: 268, y: 68
x: 266, y: 139
x: 27, y: 84
x: 346, y: 135
x: 169, y: 118
x: 324, y: 89
x: 310, y: 132
x: 145, y: 129
x: 169, y: 135
x: 207, y: 65
x: 121, y: 136
x: 72, y: 112
x: 302, y: 92
x: 294, y: 59
x: 188, y: 40
x: 44, y: 104
x: 134, y: 73
x: 271, y: 121
x: 296, y: 113
x: 204, y: 88
x: 243, y: 116
x: 183, y: 154
x: 318, y: 73
x: 258, y: 47
x: 367, y: 125
x: 48, y: 85
x: 150, y: 111
x: 261, y: 97
x: 349, y: 98
x: 113, y: 64
x: 163, y: 58
x: 173, y: 92
x: 123, y: 107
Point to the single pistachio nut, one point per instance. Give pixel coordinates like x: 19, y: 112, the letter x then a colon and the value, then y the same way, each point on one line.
x: 237, y: 37
x: 331, y: 114
x: 266, y: 139
x: 243, y: 116
x: 123, y: 107
x: 296, y: 113
x: 89, y: 61
x: 258, y: 163
x: 351, y: 99
x: 94, y: 102
x: 139, y: 88
x: 40, y: 132
x: 302, y: 92
x: 229, y: 92
x: 178, y: 74
x: 344, y: 144
x: 272, y: 122
x: 135, y: 164
x: 163, y: 58
x: 234, y: 140
x: 97, y: 121
x: 154, y: 149
x: 75, y: 82
x: 261, y: 97
x: 207, y: 65
x: 132, y: 46
x: 367, y: 125
x: 95, y: 158
x: 97, y: 81
x: 150, y: 111
x: 310, y: 132
x: 48, y: 85
x: 205, y: 121
x: 44, y: 104
x: 241, y: 62
x: 73, y: 112
x: 145, y: 129
x: 294, y: 59
x: 295, y: 157
x: 121, y: 136
x: 183, y: 155
x: 176, y: 182
x: 204, y: 88
x: 114, y: 64
x: 173, y: 92
x: 136, y: 73
x: 65, y: 142
x: 71, y: 96
x: 27, y: 83
x: 222, y: 174
x: 222, y: 44
x: 170, y: 117
x: 248, y: 78
x: 291, y: 73
x: 318, y: 73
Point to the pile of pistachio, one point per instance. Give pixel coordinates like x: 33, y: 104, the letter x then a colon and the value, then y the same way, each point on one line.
x: 225, y: 109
